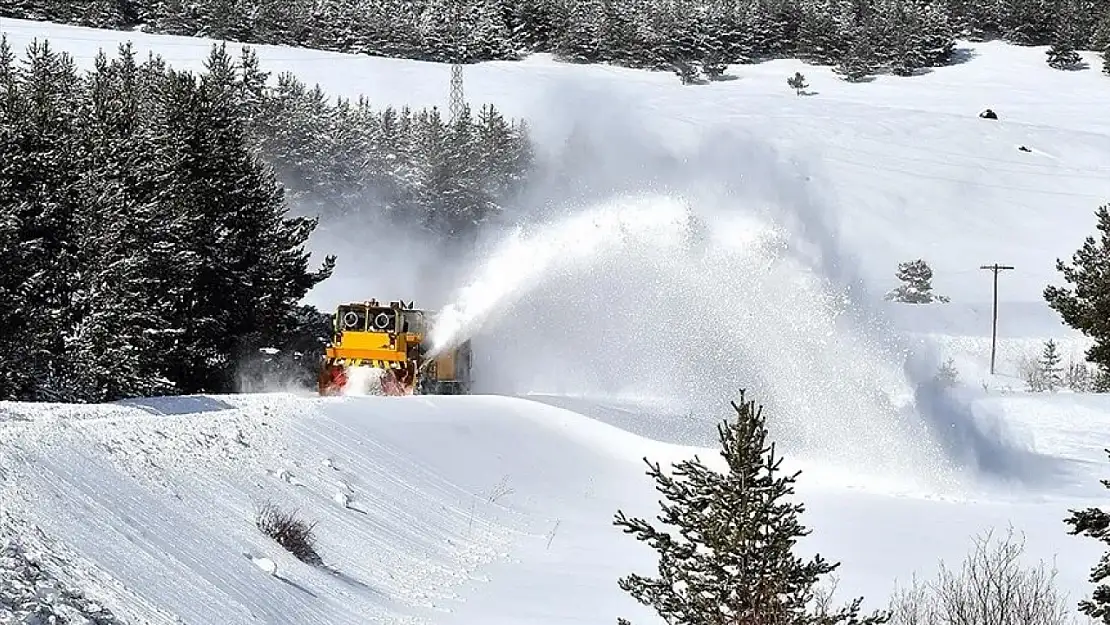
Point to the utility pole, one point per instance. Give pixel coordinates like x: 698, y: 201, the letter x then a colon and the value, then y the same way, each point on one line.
x: 995, y: 268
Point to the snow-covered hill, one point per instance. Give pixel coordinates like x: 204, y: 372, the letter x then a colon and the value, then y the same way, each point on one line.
x: 734, y: 215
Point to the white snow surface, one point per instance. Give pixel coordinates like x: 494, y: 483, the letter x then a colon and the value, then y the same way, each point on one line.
x: 787, y: 217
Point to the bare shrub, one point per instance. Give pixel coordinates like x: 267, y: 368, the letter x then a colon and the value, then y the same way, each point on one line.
x: 295, y: 535
x: 1032, y: 372
x: 991, y: 588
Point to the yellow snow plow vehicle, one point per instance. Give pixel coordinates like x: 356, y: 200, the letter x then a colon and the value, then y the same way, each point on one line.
x: 382, y: 348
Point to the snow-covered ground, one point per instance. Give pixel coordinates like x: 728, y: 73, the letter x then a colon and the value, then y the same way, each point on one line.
x: 758, y: 227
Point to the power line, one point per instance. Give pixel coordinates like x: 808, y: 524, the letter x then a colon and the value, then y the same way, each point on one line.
x: 995, y: 268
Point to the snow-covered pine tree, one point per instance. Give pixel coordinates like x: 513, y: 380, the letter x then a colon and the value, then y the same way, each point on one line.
x: 450, y: 193
x: 859, y: 62
x: 912, y: 34
x: 692, y: 37
x: 818, y: 39
x: 295, y: 136
x: 442, y: 37
x: 917, y: 287
x: 492, y: 142
x: 244, y: 265
x: 1100, y: 37
x: 490, y: 37
x: 935, y: 33
x: 1067, y: 37
x: 770, y: 27
x: 182, y: 17
x: 731, y: 558
x: 1050, y: 366
x: 537, y: 24
x: 1029, y: 22
x: 118, y: 307
x: 797, y: 82
x: 947, y: 374
x: 1085, y: 305
x: 619, y: 43
x: 580, y: 42
x: 16, y: 373
x: 42, y: 210
x: 726, y: 39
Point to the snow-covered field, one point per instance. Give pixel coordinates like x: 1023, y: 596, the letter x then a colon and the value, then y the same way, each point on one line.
x: 759, y: 227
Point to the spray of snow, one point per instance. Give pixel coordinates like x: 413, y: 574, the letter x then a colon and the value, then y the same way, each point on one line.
x: 731, y: 274
x: 525, y: 259
x: 363, y: 381
x: 645, y: 293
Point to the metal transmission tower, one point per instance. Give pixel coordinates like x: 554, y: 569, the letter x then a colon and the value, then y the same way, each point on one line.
x: 457, y: 100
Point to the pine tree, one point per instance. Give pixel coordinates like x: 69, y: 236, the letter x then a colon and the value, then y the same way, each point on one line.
x: 118, y: 307
x: 859, y: 62
x: 1067, y: 37
x: 732, y: 560
x: 1095, y: 523
x: 1029, y: 22
x: 581, y: 41
x: 43, y: 181
x: 1050, y: 366
x: 16, y: 376
x: 797, y: 82
x: 240, y: 265
x: 1085, y: 305
x: 917, y: 277
x: 819, y: 39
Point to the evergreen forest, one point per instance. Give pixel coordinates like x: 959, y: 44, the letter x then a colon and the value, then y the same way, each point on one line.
x: 148, y: 242
x: 699, y: 36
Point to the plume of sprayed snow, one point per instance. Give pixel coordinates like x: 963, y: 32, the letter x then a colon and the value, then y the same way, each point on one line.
x: 727, y: 272
x: 363, y: 381
x: 526, y: 258
x: 658, y: 269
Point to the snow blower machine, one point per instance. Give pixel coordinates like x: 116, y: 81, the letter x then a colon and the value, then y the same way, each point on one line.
x: 382, y: 348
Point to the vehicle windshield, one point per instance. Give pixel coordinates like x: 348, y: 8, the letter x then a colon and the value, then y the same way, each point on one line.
x: 413, y: 321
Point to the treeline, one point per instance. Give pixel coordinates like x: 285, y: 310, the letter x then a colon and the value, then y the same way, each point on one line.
x: 417, y: 169
x: 146, y: 246
x: 681, y: 35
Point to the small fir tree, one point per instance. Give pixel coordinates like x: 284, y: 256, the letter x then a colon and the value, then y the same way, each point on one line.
x: 1050, y: 366
x: 917, y: 287
x: 1062, y: 55
x: 947, y: 375
x: 797, y: 82
x: 732, y: 560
